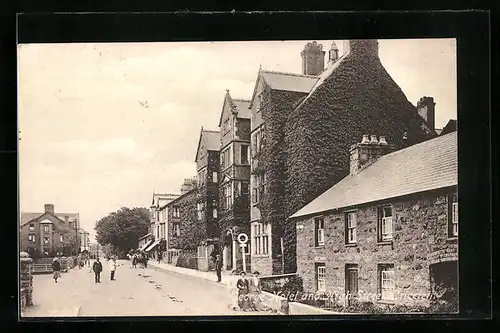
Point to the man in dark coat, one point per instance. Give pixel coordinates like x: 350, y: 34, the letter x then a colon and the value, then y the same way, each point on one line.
x: 56, y: 269
x: 97, y: 268
x: 218, y: 267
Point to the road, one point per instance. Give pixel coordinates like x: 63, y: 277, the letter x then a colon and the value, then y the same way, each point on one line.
x: 135, y: 292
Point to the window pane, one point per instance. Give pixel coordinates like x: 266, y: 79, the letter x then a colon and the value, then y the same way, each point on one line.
x: 387, y: 211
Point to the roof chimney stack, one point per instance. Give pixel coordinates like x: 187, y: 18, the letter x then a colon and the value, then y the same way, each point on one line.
x: 49, y: 208
x: 313, y: 59
x: 366, y: 152
x: 426, y: 110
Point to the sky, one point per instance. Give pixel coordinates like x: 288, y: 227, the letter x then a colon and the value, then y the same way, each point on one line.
x: 89, y: 144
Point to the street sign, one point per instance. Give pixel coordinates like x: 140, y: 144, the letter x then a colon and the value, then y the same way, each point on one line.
x: 242, y: 238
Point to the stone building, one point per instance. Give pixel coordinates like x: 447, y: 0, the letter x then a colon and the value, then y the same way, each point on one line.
x: 207, y: 206
x: 184, y: 231
x: 302, y: 126
x: 157, y: 243
x: 47, y: 233
x: 387, y: 233
x: 234, y: 169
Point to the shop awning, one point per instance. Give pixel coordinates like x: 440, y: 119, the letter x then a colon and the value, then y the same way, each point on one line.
x: 152, y: 246
x: 145, y: 245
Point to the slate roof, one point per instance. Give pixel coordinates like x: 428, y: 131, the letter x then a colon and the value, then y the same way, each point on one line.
x: 429, y: 165
x: 27, y: 217
x: 242, y: 106
x: 289, y: 81
x: 211, y: 140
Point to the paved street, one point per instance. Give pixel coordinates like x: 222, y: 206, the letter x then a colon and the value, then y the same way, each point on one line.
x: 136, y: 292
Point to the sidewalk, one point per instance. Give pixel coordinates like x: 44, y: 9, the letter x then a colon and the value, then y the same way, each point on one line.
x: 209, y: 276
x: 274, y: 302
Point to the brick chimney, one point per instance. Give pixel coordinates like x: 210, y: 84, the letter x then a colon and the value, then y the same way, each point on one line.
x: 366, y: 152
x: 426, y: 110
x: 361, y: 47
x: 49, y: 208
x: 313, y: 59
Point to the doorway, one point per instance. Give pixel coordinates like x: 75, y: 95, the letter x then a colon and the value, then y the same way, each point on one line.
x: 351, y: 283
x: 444, y: 283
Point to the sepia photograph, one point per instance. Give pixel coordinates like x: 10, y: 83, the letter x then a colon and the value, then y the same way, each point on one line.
x: 243, y: 178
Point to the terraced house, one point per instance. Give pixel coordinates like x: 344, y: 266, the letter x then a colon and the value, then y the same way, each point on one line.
x: 234, y: 180
x: 156, y: 241
x: 302, y: 126
x: 387, y: 233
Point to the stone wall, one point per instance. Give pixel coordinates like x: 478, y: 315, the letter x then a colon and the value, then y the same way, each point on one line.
x: 419, y: 228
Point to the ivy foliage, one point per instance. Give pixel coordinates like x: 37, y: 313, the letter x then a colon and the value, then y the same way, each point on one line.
x: 192, y: 231
x: 307, y: 147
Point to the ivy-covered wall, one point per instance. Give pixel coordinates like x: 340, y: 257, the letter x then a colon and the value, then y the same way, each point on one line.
x: 359, y: 98
x: 210, y: 195
x: 192, y: 232
x: 272, y: 158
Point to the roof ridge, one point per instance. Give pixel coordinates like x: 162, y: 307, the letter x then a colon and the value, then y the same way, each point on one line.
x: 292, y: 74
x: 241, y: 100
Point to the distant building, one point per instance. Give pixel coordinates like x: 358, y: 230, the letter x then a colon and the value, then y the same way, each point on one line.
x: 234, y: 180
x: 158, y: 229
x: 388, y: 231
x: 49, y: 233
x: 83, y: 240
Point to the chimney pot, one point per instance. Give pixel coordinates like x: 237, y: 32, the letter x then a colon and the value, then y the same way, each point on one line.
x: 374, y: 139
x: 365, y: 139
x: 382, y: 140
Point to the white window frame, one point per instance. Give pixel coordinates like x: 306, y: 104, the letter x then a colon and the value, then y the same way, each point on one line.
x: 32, y: 227
x: 32, y: 238
x: 46, y: 228
x: 228, y: 195
x: 386, y: 227
x: 260, y: 239
x: 46, y: 240
x: 61, y: 238
x: 214, y: 177
x: 176, y: 211
x: 387, y: 283
x: 319, y: 230
x: 454, y: 219
x: 177, y: 229
x: 321, y: 278
x: 199, y: 209
x: 351, y: 227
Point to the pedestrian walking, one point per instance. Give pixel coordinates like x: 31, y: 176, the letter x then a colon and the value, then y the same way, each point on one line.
x: 242, y: 285
x: 159, y: 257
x: 113, y: 269
x: 134, y: 261
x: 218, y: 267
x: 233, y: 291
x: 56, y: 269
x: 97, y: 268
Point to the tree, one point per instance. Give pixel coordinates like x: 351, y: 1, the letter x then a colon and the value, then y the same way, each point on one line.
x: 123, y: 228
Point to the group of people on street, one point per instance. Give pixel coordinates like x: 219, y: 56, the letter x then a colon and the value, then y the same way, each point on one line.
x: 139, y: 258
x: 245, y: 293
